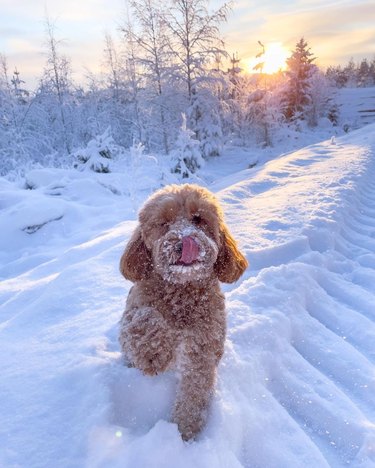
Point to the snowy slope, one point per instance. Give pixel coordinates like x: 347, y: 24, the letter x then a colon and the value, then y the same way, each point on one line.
x: 296, y: 384
x: 356, y: 106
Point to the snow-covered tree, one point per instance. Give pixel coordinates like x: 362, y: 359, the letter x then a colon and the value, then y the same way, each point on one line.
x: 204, y: 120
x: 300, y: 70
x: 372, y: 72
x: 319, y: 101
x: 134, y: 84
x: 350, y: 73
x: 98, y: 154
x: 336, y: 75
x: 56, y: 87
x: 195, y: 38
x: 363, y: 74
x: 113, y: 66
x: 186, y: 154
x: 353, y: 75
x: 154, y: 58
x: 234, y: 85
x: 307, y: 91
x: 21, y: 94
x: 263, y: 114
x: 15, y: 136
x: 114, y: 95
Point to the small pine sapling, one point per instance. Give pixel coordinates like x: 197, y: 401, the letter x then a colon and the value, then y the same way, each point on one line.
x: 186, y: 155
x: 97, y: 154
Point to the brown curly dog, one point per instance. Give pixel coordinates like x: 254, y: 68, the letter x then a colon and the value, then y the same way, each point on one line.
x: 175, y: 312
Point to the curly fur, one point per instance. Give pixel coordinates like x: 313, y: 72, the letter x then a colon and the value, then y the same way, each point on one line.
x: 175, y: 313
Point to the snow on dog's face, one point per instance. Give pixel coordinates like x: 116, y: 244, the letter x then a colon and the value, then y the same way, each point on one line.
x: 185, y: 253
x: 182, y: 237
x: 181, y: 229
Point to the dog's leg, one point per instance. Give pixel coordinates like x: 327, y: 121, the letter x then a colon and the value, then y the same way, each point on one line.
x: 198, y: 373
x: 146, y: 340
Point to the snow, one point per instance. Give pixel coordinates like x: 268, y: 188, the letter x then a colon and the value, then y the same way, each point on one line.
x: 296, y: 384
x: 356, y: 106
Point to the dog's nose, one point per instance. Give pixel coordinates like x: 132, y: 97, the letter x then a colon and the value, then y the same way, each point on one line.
x: 178, y: 247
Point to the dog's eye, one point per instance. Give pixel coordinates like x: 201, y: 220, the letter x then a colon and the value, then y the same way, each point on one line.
x: 196, y: 219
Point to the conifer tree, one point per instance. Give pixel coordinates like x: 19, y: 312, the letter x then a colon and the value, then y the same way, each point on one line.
x: 300, y: 70
x: 186, y: 155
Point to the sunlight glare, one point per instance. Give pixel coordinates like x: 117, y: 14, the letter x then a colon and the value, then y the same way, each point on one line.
x: 274, y: 59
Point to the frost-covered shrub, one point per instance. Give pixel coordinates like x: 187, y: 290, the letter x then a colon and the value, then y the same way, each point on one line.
x: 98, y: 153
x: 186, y: 156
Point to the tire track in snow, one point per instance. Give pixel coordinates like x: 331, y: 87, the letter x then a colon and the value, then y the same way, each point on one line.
x: 325, y: 380
x: 352, y: 329
x: 345, y: 363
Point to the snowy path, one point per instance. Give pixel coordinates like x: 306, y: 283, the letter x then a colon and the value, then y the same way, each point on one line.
x: 297, y: 383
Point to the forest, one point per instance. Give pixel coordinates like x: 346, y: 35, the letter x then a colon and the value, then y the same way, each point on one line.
x: 168, y: 86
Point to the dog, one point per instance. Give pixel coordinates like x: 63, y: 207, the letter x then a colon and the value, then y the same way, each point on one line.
x: 175, y: 311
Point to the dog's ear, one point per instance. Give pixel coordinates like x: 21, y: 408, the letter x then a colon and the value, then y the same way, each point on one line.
x: 136, y: 261
x: 230, y: 263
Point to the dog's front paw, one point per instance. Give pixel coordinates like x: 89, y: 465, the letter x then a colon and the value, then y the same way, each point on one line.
x: 145, y: 337
x: 154, y: 362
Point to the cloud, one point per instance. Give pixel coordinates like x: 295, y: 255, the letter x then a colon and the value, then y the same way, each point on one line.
x: 334, y: 17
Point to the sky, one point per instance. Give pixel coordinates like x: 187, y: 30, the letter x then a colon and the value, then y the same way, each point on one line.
x: 335, y: 30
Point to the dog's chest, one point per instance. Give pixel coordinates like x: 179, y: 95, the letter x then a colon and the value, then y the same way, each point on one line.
x: 185, y: 307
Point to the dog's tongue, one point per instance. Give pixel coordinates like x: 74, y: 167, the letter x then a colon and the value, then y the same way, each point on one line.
x: 190, y: 250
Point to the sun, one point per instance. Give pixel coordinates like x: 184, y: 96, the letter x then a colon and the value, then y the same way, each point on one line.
x: 273, y: 59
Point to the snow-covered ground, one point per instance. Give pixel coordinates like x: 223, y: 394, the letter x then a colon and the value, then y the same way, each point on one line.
x: 356, y: 106
x: 296, y: 386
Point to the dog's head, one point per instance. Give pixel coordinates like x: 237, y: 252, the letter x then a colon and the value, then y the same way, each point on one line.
x: 182, y: 236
